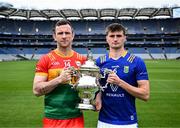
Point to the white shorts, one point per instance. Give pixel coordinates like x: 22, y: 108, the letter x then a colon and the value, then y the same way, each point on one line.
x: 106, y: 125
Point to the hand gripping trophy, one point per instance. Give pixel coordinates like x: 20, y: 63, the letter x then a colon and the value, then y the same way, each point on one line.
x: 87, y: 84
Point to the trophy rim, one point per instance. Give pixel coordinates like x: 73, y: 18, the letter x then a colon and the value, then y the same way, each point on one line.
x: 86, y: 106
x: 86, y: 86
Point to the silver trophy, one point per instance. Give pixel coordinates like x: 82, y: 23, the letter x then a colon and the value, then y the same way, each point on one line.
x: 88, y: 84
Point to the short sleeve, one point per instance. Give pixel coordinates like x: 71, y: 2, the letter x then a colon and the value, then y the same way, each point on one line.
x: 141, y: 71
x: 42, y: 66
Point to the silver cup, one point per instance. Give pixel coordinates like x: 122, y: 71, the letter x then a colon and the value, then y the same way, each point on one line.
x: 87, y: 84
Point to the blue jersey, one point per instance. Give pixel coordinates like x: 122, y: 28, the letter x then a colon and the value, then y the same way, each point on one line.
x: 118, y: 106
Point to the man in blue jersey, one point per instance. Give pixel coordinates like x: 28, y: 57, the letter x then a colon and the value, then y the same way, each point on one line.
x: 124, y: 78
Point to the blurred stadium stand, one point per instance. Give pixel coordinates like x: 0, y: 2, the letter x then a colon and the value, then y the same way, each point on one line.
x: 149, y: 38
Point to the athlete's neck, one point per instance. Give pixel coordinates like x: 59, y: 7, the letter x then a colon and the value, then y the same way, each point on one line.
x: 64, y: 51
x: 116, y: 53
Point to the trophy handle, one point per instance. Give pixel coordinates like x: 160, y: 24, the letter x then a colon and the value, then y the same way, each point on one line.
x: 106, y: 72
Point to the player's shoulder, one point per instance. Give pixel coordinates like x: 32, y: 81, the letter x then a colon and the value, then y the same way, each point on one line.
x: 80, y: 56
x: 132, y: 58
x: 101, y: 59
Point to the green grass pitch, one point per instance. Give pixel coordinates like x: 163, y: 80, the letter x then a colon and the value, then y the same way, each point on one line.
x: 20, y: 108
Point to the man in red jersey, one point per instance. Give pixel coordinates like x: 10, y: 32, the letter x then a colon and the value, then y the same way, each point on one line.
x: 52, y: 80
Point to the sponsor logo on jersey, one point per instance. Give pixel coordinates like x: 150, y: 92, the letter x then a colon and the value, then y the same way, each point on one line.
x: 115, y: 94
x: 56, y: 63
x: 113, y: 87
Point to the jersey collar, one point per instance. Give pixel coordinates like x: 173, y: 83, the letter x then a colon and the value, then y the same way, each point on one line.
x: 123, y: 54
x: 59, y: 53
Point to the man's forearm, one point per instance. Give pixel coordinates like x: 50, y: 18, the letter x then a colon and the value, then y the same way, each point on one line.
x: 42, y: 88
x: 141, y: 92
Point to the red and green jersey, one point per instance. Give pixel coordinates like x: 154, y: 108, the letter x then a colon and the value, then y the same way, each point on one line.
x: 61, y: 102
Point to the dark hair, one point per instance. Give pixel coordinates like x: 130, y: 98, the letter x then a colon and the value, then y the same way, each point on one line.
x: 63, y: 22
x: 115, y: 27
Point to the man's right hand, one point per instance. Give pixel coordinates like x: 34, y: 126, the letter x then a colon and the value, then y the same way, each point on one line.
x: 65, y: 76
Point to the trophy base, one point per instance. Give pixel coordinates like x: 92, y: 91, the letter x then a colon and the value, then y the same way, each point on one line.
x: 86, y: 107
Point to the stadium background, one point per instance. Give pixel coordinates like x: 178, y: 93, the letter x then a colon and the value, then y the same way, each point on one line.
x: 157, y: 40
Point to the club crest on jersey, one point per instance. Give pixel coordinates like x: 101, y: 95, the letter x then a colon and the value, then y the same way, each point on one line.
x: 126, y: 69
x: 78, y: 63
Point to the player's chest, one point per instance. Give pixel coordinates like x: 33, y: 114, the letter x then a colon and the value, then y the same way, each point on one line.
x: 123, y: 70
x: 64, y: 63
